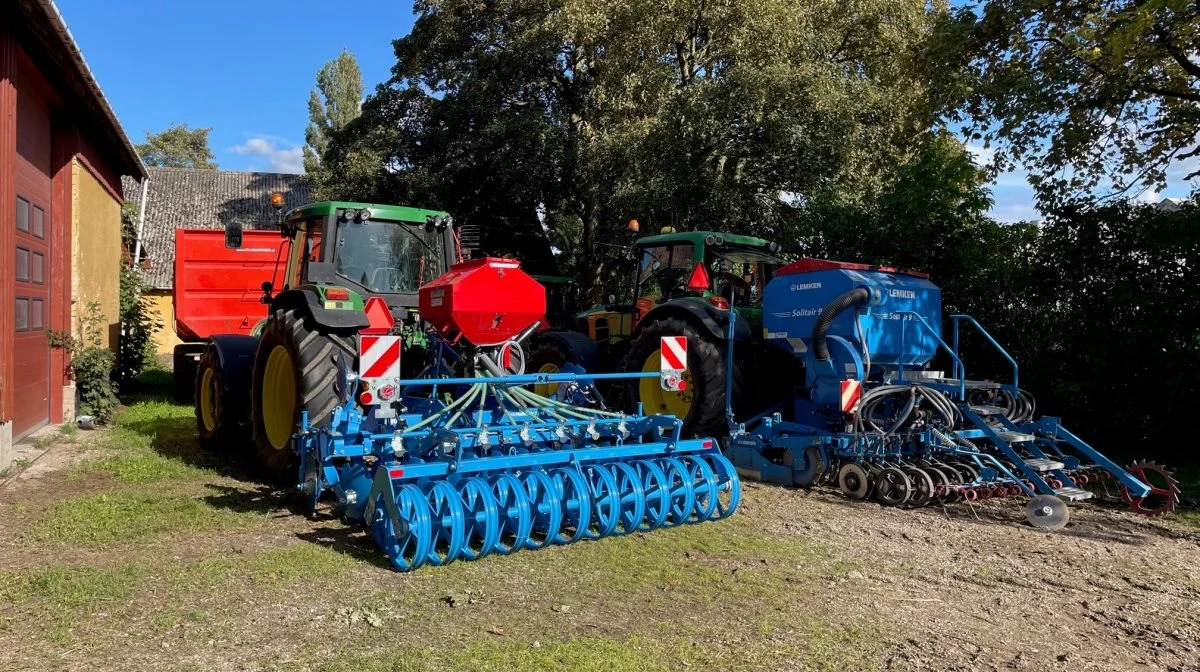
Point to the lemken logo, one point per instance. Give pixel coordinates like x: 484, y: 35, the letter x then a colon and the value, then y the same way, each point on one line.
x: 902, y: 293
x: 806, y: 286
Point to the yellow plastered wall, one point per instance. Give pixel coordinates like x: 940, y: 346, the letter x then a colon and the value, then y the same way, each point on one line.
x: 163, y: 309
x: 95, y: 253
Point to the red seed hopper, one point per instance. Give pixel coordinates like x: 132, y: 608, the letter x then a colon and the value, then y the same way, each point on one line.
x: 486, y: 301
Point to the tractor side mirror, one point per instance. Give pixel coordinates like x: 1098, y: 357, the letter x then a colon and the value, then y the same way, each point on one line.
x: 233, y: 235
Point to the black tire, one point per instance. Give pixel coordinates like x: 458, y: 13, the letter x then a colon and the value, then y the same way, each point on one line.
x: 706, y: 362
x: 184, y: 365
x: 317, y: 359
x: 225, y: 428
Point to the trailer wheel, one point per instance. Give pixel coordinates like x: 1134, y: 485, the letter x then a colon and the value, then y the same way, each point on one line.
x: 296, y: 369
x: 701, y: 405
x: 218, y: 422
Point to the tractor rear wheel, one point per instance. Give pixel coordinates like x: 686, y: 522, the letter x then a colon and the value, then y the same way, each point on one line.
x: 297, y: 368
x: 701, y: 405
x: 219, y: 422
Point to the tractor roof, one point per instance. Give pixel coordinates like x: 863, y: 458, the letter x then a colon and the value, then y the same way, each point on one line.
x: 697, y: 238
x: 398, y: 213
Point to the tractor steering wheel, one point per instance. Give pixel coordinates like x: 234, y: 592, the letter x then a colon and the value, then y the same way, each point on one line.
x: 394, y: 275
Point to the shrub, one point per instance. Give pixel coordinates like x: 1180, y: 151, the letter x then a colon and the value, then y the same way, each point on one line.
x: 91, y: 364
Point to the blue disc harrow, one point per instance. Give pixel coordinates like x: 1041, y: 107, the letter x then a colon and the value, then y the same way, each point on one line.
x: 500, y: 469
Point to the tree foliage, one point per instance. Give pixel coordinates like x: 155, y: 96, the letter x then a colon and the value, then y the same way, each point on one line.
x: 333, y: 104
x: 581, y: 114
x: 1082, y: 93
x: 178, y: 147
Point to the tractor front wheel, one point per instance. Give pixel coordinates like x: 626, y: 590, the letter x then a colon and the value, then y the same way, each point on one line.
x: 701, y: 405
x: 297, y: 368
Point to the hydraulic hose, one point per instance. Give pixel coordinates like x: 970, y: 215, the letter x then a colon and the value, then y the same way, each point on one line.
x: 854, y: 298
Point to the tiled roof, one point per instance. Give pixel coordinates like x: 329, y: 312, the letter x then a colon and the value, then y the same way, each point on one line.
x: 205, y: 199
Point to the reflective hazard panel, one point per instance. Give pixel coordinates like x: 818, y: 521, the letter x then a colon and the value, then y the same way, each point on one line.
x: 672, y: 357
x: 378, y: 357
x: 851, y: 393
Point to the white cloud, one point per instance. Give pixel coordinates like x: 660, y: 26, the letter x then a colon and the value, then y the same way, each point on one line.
x: 280, y: 159
x: 1147, y: 196
x: 982, y: 156
x: 1015, y: 212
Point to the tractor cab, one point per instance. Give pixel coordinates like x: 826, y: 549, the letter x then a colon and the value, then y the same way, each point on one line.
x: 719, y: 269
x: 372, y: 250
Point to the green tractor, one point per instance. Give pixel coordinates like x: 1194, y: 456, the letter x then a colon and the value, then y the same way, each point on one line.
x: 338, y: 255
x: 684, y: 284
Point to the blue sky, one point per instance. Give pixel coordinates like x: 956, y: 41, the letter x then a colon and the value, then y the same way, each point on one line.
x: 245, y: 69
x: 242, y: 68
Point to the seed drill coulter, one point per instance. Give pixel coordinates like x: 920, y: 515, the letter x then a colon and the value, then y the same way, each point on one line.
x: 873, y: 417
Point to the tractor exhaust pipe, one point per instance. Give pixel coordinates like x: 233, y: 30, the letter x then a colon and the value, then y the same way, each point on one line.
x: 857, y: 297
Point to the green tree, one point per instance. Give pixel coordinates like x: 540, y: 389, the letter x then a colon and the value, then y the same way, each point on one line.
x: 576, y: 115
x: 1082, y: 93
x: 178, y: 147
x: 333, y: 104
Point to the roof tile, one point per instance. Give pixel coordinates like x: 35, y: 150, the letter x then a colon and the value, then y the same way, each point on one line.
x: 205, y: 199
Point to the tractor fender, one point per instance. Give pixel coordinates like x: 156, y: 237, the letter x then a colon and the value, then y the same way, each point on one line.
x: 306, y: 302
x: 584, y: 351
x: 236, y: 353
x: 708, y: 318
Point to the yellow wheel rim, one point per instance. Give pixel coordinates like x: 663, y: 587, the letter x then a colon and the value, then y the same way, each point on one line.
x: 657, y: 400
x: 547, y: 389
x: 279, y: 397
x: 208, y: 396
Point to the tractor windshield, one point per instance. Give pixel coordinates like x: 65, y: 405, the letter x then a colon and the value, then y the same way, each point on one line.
x: 740, y: 274
x: 663, y: 270
x: 387, y: 257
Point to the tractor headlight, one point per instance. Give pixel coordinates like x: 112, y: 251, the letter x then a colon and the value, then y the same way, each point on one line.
x: 363, y: 216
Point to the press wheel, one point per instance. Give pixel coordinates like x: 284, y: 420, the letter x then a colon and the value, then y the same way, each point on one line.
x: 853, y: 481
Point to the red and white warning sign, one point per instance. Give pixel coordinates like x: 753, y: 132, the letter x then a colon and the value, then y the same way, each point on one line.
x: 379, y: 357
x: 851, y: 393
x: 672, y: 358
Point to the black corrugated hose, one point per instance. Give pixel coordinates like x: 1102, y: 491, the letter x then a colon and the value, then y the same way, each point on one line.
x: 855, y: 297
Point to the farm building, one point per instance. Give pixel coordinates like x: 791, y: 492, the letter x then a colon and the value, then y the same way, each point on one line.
x: 62, y: 158
x: 187, y: 198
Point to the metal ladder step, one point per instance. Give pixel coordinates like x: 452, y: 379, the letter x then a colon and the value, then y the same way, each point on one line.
x: 1043, y: 464
x: 1074, y: 494
x: 987, y: 410
x: 1016, y: 437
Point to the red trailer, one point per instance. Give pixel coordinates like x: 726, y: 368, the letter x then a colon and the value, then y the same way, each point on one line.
x: 218, y: 290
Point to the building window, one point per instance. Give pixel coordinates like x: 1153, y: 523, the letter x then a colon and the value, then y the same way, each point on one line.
x: 22, y: 318
x: 37, y: 269
x: 39, y: 222
x: 35, y: 314
x: 22, y: 215
x: 22, y: 264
